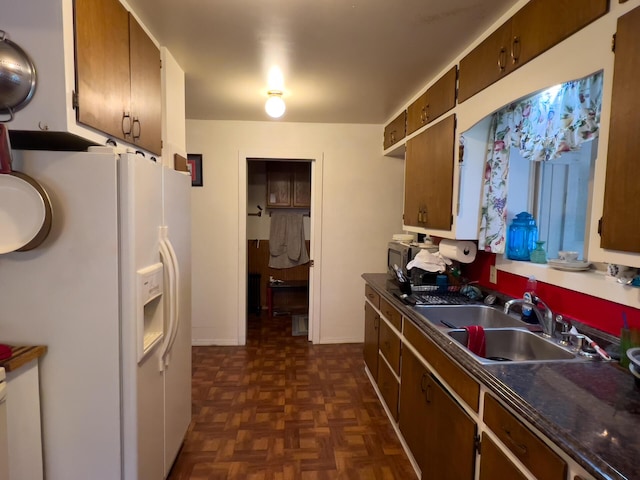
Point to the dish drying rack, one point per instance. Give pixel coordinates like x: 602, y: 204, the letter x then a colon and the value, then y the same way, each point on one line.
x: 439, y: 295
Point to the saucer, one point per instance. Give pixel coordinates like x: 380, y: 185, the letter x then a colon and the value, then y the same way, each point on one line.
x: 569, y: 265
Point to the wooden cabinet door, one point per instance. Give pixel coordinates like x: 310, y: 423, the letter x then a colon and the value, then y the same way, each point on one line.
x: 389, y: 344
x: 146, y: 90
x: 417, y: 113
x: 388, y: 386
x: 371, y: 329
x: 395, y: 131
x: 442, y: 95
x: 438, y: 177
x: 428, y: 183
x: 620, y: 229
x: 437, y: 100
x: 301, y: 184
x: 413, y: 409
x: 440, y: 435
x: 486, y: 63
x: 279, y: 192
x: 531, y: 450
x: 450, y: 439
x: 415, y: 167
x: 541, y: 24
x: 495, y: 464
x: 102, y: 65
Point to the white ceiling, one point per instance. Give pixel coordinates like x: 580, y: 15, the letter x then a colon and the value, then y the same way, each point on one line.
x: 344, y: 61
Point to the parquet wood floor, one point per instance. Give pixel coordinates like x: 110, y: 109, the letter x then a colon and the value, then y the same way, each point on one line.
x: 281, y: 408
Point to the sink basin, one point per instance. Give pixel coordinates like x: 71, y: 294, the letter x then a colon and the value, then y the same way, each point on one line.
x: 515, y: 345
x: 459, y: 316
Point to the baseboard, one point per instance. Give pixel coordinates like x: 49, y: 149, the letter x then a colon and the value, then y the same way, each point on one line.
x: 328, y: 340
x: 214, y: 342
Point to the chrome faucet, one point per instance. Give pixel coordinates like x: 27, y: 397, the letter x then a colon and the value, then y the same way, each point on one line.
x: 546, y: 321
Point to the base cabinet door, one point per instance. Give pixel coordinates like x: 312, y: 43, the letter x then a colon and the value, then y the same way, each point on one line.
x: 413, y: 408
x: 495, y: 464
x: 371, y: 331
x: 439, y: 433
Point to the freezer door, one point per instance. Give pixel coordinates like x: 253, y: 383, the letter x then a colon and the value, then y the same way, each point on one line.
x: 140, y: 209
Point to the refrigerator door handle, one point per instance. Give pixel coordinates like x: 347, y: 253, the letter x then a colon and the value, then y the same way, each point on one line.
x: 166, y: 257
x: 175, y: 297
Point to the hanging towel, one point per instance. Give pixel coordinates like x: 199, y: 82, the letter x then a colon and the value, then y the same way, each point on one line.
x: 287, y: 247
x: 476, y: 342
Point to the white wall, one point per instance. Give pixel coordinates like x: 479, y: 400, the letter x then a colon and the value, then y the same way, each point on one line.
x: 361, y: 203
x: 173, y: 109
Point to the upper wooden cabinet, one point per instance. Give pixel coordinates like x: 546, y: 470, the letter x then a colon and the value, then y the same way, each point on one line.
x: 118, y: 81
x: 620, y: 225
x: 535, y: 28
x: 437, y: 100
x: 103, y: 85
x: 288, y: 184
x: 429, y: 177
x: 146, y: 89
x: 395, y: 131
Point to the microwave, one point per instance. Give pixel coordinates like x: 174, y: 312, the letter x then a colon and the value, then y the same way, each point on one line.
x: 400, y: 254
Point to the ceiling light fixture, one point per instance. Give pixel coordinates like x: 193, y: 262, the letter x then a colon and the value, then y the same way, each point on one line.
x: 275, y: 106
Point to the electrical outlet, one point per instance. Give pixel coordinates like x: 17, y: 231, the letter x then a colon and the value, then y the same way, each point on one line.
x: 493, y: 274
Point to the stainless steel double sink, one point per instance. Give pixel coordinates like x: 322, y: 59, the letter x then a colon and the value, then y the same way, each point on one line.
x: 508, y: 339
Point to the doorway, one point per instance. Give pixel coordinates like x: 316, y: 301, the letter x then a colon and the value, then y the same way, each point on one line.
x: 297, y: 297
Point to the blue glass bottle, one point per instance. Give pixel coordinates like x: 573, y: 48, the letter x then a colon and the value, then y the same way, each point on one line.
x: 521, y: 237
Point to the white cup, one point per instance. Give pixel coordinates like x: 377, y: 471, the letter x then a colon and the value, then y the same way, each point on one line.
x: 568, y: 256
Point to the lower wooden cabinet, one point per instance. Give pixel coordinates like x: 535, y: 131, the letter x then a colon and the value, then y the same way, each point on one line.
x: 494, y: 464
x: 522, y: 442
x: 388, y: 386
x: 440, y: 434
x: 438, y: 431
x: 371, y: 332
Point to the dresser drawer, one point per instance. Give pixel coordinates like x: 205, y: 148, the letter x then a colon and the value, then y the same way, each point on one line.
x: 372, y: 296
x: 389, y: 345
x: 461, y: 383
x: 388, y: 386
x: 522, y: 442
x: 391, y: 314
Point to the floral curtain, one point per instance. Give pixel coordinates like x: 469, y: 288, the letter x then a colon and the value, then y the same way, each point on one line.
x: 541, y: 127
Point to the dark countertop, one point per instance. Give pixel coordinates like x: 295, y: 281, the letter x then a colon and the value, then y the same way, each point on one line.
x: 591, y: 410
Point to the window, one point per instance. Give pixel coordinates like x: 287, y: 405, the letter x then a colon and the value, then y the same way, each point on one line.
x: 539, y: 159
x: 557, y: 193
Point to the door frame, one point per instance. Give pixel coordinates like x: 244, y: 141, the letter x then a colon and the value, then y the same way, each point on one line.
x: 317, y: 164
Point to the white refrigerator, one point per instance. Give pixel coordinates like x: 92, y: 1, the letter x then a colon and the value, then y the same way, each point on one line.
x: 109, y: 293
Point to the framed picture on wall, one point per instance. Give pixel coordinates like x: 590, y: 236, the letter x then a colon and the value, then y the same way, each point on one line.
x: 194, y: 164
